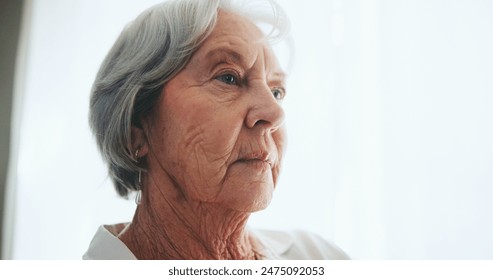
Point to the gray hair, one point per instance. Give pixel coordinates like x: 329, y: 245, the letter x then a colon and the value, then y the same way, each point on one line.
x: 149, y: 52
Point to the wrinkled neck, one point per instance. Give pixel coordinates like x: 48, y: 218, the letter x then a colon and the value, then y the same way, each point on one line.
x: 167, y: 226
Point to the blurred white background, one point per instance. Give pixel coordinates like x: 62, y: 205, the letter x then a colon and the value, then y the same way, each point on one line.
x: 389, y: 115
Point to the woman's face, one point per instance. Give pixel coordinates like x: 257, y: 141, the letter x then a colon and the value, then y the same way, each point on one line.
x: 217, y: 130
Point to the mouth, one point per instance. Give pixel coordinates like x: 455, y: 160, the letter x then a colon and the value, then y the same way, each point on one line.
x: 260, y: 157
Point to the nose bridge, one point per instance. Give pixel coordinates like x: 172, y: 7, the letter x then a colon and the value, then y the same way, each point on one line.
x: 265, y: 110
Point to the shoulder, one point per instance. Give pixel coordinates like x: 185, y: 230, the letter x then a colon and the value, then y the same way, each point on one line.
x: 298, y: 245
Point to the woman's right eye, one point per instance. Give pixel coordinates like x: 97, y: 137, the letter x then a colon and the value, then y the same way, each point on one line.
x: 229, y: 79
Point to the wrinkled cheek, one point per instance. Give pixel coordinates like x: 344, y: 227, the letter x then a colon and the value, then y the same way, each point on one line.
x: 280, y: 141
x: 207, y: 163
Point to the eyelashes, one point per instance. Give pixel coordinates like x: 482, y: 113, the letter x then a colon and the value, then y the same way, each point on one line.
x: 229, y: 79
x: 278, y: 92
x: 233, y: 79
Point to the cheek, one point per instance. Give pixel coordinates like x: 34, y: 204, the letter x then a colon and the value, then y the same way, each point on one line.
x: 280, y: 140
x: 201, y: 129
x: 212, y: 135
x: 204, y: 140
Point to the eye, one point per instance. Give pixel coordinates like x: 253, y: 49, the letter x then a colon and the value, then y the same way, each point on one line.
x: 229, y: 79
x: 278, y: 93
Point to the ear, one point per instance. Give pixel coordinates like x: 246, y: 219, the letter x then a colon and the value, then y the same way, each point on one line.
x: 139, y: 142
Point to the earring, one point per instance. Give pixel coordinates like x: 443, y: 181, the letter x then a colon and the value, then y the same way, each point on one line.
x: 138, y: 196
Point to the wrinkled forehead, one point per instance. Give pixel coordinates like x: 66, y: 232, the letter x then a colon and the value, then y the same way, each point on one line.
x: 269, y: 24
x: 234, y: 23
x: 240, y: 39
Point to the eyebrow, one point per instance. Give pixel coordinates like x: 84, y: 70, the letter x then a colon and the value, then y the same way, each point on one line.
x: 279, y: 75
x: 236, y: 57
x: 223, y: 51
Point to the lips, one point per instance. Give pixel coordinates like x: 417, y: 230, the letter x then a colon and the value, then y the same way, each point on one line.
x: 258, y: 156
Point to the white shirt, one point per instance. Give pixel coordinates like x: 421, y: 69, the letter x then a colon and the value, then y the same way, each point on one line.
x: 295, y: 245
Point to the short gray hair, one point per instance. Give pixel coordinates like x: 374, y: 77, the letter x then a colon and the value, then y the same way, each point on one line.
x: 149, y: 52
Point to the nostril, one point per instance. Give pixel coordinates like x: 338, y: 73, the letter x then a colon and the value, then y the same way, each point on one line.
x: 268, y: 118
x: 261, y: 122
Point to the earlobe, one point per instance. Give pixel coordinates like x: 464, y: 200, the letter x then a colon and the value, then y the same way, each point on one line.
x: 139, y: 143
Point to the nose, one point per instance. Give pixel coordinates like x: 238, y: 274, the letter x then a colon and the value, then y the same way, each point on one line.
x: 265, y: 111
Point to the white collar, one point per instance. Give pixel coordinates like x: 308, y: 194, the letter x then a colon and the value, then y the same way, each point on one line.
x: 275, y: 243
x: 106, y: 245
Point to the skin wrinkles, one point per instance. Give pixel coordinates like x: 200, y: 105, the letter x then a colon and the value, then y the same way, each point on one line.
x: 213, y: 146
x: 193, y: 233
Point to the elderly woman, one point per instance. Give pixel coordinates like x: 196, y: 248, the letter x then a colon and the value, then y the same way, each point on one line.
x: 186, y: 110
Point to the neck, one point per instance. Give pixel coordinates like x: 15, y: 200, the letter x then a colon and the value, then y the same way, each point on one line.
x: 171, y: 227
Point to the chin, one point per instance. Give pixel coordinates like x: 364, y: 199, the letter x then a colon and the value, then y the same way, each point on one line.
x: 253, y: 198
